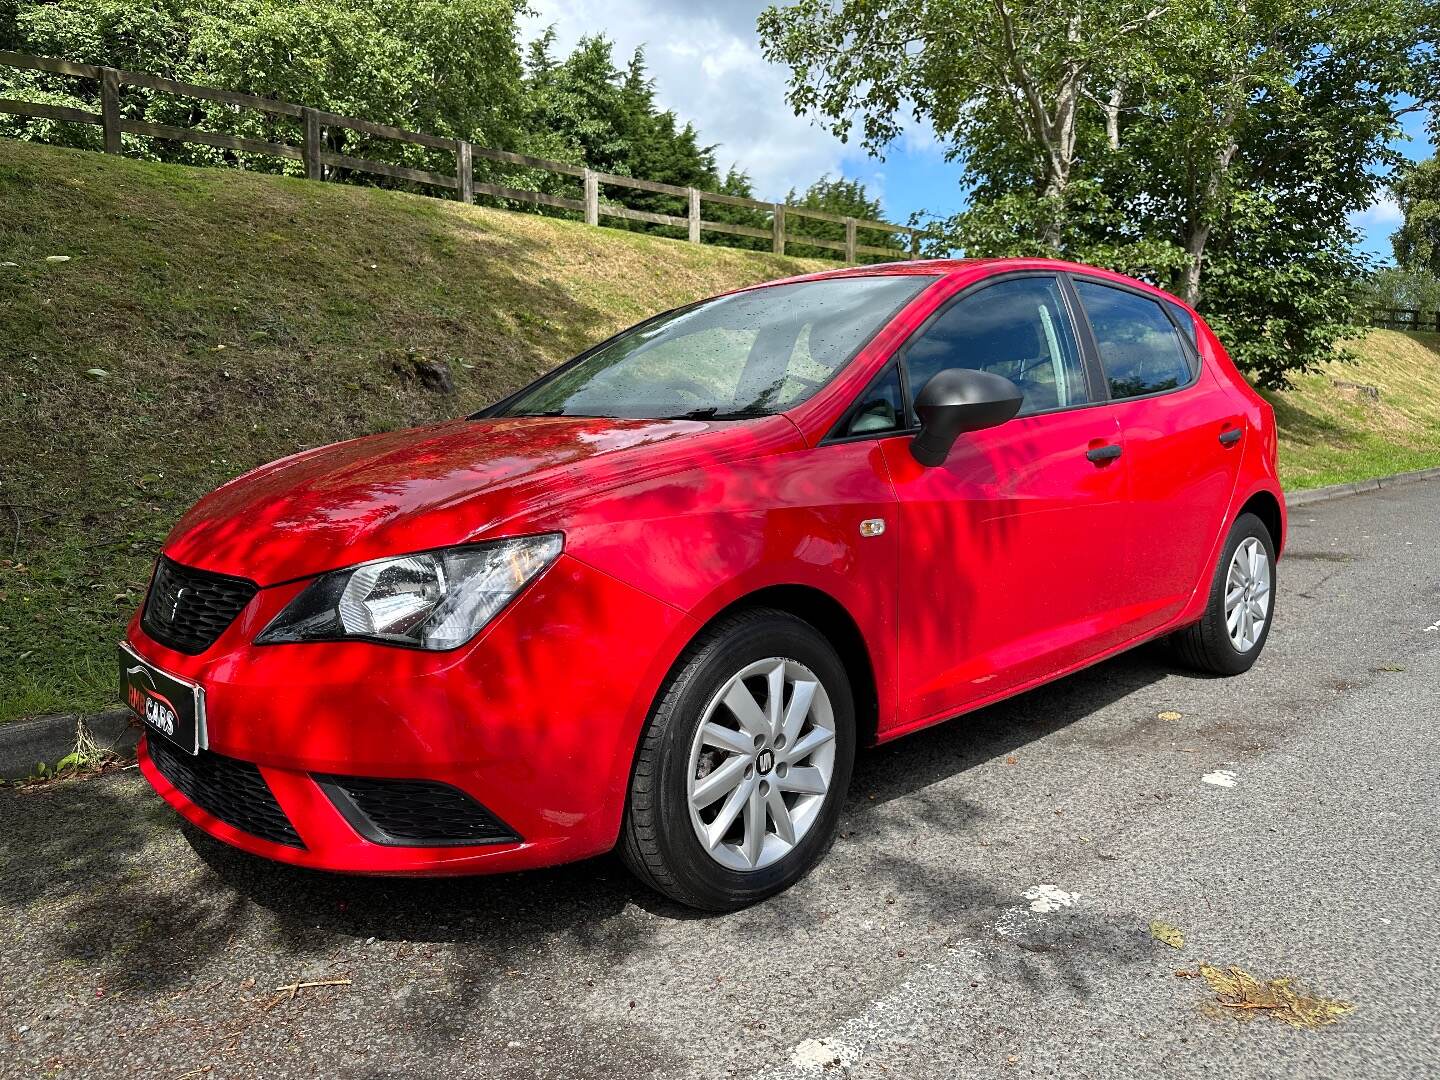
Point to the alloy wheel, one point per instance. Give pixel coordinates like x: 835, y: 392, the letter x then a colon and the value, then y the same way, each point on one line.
x: 761, y: 763
x: 1247, y: 594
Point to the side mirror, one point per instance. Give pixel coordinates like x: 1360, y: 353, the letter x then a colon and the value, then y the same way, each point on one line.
x: 957, y: 400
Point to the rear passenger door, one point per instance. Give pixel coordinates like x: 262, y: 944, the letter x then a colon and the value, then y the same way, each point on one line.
x: 1180, y: 433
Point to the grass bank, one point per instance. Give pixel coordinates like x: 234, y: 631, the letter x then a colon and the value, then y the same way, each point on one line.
x: 1372, y: 416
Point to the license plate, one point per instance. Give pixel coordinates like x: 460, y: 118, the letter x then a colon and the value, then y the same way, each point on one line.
x: 170, y: 707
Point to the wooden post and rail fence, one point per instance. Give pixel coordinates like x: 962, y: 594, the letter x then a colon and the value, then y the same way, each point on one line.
x: 320, y: 161
x: 1405, y: 319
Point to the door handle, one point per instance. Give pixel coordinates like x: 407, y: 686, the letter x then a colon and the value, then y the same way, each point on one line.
x: 1230, y: 436
x: 1101, y: 454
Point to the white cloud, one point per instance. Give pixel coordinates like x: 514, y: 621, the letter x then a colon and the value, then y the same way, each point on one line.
x: 1380, y: 214
x: 708, y: 68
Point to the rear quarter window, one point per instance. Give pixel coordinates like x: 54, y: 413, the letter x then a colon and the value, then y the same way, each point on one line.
x: 1186, y: 322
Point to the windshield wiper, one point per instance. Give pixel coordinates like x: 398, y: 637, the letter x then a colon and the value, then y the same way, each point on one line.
x: 713, y: 413
x: 551, y: 412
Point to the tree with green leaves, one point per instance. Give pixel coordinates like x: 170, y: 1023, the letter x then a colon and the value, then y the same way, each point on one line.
x: 1416, y: 189
x: 1216, y: 147
x: 1395, y: 287
x: 586, y: 109
x: 1003, y: 82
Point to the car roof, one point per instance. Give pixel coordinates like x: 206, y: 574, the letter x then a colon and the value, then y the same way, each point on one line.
x: 980, y: 268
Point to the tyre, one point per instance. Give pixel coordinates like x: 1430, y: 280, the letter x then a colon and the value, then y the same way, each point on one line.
x: 1241, y: 605
x: 742, y: 771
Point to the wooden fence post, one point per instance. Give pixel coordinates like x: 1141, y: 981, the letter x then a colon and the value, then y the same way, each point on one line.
x: 313, y: 169
x: 592, y: 198
x: 110, y: 108
x: 778, y: 224
x: 915, y: 243
x: 694, y: 212
x: 465, y: 170
x: 849, y: 239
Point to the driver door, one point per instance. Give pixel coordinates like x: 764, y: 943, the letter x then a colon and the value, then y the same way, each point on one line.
x: 1013, y: 551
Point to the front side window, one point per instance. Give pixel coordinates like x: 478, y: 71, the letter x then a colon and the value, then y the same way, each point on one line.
x: 1017, y: 328
x: 1139, y: 347
x: 748, y: 354
x: 880, y: 409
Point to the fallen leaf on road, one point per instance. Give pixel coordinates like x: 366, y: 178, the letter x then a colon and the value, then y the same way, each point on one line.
x: 1168, y: 714
x: 1011, y: 760
x: 1239, y: 993
x: 1164, y: 932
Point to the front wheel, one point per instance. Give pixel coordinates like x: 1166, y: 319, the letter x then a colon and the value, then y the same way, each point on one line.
x: 742, y: 771
x: 1241, y: 605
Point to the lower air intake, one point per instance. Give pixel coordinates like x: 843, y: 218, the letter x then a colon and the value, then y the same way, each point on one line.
x: 413, y: 813
x: 233, y: 791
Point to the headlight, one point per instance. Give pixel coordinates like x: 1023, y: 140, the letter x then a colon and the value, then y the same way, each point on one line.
x: 432, y: 600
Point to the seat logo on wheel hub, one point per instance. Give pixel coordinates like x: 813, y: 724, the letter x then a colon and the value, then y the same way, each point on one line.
x: 765, y: 761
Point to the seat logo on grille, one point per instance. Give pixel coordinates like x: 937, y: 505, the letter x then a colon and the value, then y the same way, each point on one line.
x: 175, y: 604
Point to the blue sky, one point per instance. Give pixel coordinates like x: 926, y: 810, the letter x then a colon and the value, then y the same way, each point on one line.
x: 706, y: 62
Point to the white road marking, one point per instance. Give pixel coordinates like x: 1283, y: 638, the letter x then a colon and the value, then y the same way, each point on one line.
x: 904, y: 1012
x: 1220, y: 778
x: 1049, y: 898
x: 1432, y: 627
x: 823, y: 1054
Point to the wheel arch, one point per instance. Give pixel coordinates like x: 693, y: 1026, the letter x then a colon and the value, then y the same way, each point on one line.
x: 1266, y: 506
x: 832, y: 621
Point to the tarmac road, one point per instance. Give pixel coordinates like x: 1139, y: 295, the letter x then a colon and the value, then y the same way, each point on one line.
x: 129, y: 947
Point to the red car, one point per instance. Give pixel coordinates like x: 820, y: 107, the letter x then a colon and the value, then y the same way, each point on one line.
x: 658, y: 598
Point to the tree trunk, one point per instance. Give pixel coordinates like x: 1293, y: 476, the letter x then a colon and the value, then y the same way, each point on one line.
x: 1053, y: 129
x: 1201, y: 221
x: 1204, y: 215
x: 1195, y: 249
x: 1112, y: 116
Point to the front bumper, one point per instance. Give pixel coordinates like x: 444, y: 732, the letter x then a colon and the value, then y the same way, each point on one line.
x: 536, y: 720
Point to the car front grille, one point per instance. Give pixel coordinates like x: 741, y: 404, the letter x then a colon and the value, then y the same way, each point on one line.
x: 187, y: 609
x: 416, y: 813
x: 233, y: 791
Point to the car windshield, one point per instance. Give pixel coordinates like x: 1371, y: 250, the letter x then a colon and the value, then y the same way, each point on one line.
x: 747, y: 354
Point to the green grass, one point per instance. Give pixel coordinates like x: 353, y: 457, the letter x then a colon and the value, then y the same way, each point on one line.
x: 237, y: 318
x: 1332, y: 433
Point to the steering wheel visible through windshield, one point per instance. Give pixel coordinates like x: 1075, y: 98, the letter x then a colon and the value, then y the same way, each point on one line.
x: 747, y: 354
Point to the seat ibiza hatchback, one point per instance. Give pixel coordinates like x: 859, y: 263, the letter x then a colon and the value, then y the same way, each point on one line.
x: 658, y: 598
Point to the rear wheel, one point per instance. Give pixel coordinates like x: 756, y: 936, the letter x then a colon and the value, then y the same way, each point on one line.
x: 1241, y: 605
x: 743, y: 768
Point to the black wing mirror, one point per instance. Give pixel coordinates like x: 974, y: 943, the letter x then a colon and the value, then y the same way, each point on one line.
x: 957, y: 400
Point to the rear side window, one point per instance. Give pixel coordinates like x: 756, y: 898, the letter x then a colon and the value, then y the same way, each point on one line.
x: 1138, y: 344
x: 1017, y: 328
